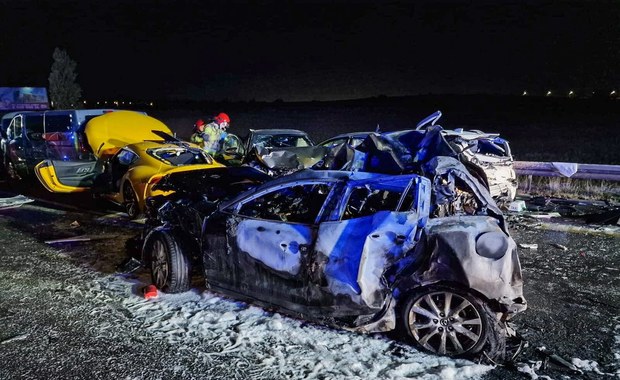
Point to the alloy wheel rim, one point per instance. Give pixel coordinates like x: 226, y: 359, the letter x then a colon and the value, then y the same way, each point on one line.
x: 159, y: 264
x: 130, y: 201
x: 445, y: 323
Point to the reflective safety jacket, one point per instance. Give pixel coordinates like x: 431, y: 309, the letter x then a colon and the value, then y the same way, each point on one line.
x: 210, y: 139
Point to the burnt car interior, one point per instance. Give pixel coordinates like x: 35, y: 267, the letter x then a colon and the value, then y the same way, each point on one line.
x: 367, y: 200
x: 280, y: 141
x: 296, y: 204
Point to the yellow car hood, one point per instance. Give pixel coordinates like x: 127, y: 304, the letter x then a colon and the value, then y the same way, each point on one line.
x: 107, y: 133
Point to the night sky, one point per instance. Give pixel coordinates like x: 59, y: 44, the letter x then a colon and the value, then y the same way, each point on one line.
x: 313, y: 50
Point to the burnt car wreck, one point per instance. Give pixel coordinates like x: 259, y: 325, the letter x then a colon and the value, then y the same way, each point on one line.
x: 428, y: 256
x: 486, y: 156
x: 282, y: 151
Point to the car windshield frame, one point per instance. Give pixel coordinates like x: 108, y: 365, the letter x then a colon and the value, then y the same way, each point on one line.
x: 180, y: 156
x: 278, y: 140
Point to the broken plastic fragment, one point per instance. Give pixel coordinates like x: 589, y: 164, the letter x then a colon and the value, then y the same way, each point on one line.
x: 150, y: 291
x: 528, y: 246
x: 517, y: 206
x: 12, y: 202
x: 68, y: 240
x: 557, y: 359
x: 559, y: 246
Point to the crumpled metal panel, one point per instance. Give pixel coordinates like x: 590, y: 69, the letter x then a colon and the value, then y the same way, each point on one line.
x: 454, y: 257
x: 487, y: 155
x: 355, y: 253
x: 280, y: 250
x: 284, y: 159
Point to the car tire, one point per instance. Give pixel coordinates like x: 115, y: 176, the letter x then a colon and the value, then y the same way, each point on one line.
x: 447, y: 321
x: 170, y: 266
x: 130, y: 201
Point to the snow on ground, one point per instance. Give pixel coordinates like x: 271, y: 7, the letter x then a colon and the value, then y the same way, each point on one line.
x: 616, y: 349
x: 269, y: 345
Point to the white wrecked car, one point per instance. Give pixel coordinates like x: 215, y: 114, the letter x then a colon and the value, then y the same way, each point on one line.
x: 428, y: 256
x: 486, y: 155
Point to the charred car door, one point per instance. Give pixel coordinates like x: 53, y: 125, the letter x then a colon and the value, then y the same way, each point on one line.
x: 373, y: 230
x: 269, y: 239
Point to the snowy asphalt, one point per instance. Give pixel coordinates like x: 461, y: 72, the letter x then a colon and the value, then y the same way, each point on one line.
x: 67, y: 311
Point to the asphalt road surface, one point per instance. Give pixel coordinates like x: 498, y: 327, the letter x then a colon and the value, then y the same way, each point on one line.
x: 54, y: 325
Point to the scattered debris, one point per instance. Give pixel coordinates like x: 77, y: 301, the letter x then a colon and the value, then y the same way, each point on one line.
x: 12, y: 202
x: 528, y: 246
x: 68, y: 240
x: 130, y: 265
x: 517, y: 206
x: 559, y: 246
x: 73, y: 239
x: 557, y: 359
x: 150, y: 291
x: 547, y: 215
x: 562, y: 227
x: 74, y: 224
x: 15, y: 338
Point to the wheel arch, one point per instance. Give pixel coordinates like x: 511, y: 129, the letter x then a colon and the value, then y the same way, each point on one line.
x: 411, y: 289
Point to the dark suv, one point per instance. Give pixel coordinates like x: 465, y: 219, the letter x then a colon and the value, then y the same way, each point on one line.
x: 37, y: 135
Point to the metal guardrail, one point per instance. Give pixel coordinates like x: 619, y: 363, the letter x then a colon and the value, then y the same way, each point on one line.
x: 569, y: 170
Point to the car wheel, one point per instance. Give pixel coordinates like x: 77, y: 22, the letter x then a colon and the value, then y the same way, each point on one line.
x: 170, y: 266
x: 130, y: 201
x: 447, y: 321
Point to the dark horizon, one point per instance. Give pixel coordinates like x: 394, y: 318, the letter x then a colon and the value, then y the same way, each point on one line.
x: 313, y: 50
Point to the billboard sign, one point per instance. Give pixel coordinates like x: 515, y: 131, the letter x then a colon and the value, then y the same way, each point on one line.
x: 23, y: 98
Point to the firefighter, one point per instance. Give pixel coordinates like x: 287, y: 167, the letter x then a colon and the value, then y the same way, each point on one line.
x: 211, y: 136
x: 199, y: 128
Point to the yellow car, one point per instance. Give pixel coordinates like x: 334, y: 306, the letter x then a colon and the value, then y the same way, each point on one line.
x: 133, y: 152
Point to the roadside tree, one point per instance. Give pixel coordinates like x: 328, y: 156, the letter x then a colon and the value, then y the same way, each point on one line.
x: 63, y: 90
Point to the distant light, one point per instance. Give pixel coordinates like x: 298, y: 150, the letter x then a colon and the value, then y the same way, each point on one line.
x: 571, y: 92
x: 151, y: 104
x: 548, y: 93
x: 84, y: 101
x: 524, y: 93
x: 612, y: 93
x: 97, y: 103
x: 129, y: 103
